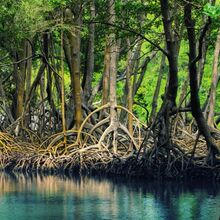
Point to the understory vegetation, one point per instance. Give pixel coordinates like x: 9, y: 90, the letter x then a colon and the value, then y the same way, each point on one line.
x: 117, y: 86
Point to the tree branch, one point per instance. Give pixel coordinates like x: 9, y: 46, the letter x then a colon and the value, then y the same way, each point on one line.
x: 134, y: 32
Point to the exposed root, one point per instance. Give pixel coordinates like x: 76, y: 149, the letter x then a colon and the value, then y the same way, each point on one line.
x: 111, y: 149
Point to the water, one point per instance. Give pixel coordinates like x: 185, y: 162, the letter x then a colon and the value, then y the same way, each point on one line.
x: 52, y: 197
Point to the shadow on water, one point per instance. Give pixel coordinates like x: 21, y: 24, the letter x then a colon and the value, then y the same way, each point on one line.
x: 94, y: 197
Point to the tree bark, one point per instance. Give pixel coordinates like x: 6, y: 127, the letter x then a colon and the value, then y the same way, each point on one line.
x: 29, y: 69
x: 157, y: 89
x: 4, y: 104
x: 136, y: 65
x: 212, y: 97
x: 73, y: 48
x: 113, y: 50
x: 193, y: 59
x: 131, y: 71
x: 35, y: 83
x: 129, y: 87
x: 87, y: 87
x: 169, y: 102
x: 19, y: 75
x: 202, y: 62
x: 106, y: 74
x: 172, y: 54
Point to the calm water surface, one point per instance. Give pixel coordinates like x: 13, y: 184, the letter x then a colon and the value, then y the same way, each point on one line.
x: 52, y: 197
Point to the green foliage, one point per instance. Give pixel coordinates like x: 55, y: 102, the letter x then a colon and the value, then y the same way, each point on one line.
x: 57, y: 3
x: 32, y: 16
x: 22, y: 19
x: 212, y: 11
x: 28, y: 18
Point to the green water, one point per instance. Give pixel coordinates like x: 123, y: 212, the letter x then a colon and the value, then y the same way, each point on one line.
x: 52, y: 197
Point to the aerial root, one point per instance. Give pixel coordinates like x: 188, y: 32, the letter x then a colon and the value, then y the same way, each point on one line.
x: 108, y: 147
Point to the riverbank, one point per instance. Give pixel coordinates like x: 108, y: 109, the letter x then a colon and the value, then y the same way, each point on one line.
x: 117, y: 166
x: 28, y: 157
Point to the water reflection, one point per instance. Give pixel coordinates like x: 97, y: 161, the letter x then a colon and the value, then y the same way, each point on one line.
x: 53, y: 197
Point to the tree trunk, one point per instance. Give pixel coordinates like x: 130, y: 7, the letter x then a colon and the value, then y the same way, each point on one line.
x: 113, y: 50
x: 193, y: 59
x: 169, y: 102
x: 19, y: 75
x: 157, y: 89
x: 129, y: 87
x: 4, y: 104
x: 205, y: 44
x: 172, y: 54
x: 136, y: 66
x: 29, y: 69
x: 106, y: 74
x: 87, y: 87
x: 201, y: 64
x: 111, y: 72
x: 112, y: 46
x: 74, y: 40
x: 143, y: 67
x: 212, y: 97
x: 131, y: 77
x: 34, y: 84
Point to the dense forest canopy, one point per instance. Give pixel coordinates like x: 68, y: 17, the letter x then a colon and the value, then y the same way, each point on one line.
x: 120, y: 75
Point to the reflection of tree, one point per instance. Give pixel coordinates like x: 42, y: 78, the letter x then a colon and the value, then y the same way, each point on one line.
x: 103, y: 198
x: 54, y: 185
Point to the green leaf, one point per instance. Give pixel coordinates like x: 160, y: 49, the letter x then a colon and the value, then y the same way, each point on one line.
x: 212, y: 11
